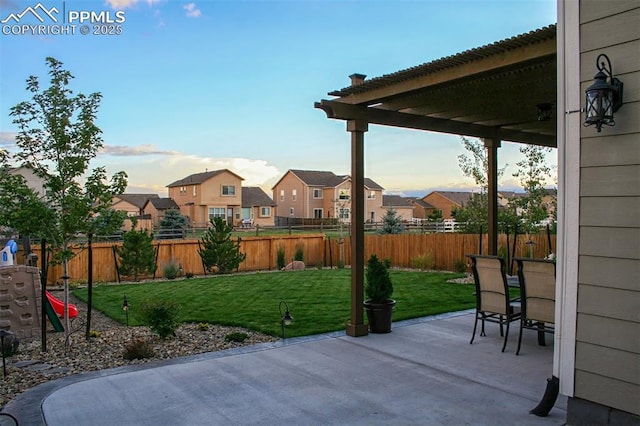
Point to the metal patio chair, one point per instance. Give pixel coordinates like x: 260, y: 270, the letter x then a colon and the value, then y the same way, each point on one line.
x: 538, y: 296
x: 493, y: 303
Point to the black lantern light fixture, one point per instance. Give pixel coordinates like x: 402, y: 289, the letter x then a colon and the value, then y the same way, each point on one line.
x: 545, y: 110
x: 603, y: 97
x: 125, y: 308
x: 286, y: 318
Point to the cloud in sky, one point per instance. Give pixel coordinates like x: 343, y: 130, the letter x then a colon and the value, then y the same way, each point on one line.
x: 127, y: 151
x: 124, y: 4
x: 192, y: 10
x: 152, y: 173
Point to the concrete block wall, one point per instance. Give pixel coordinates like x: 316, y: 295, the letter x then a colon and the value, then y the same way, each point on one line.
x: 20, y: 301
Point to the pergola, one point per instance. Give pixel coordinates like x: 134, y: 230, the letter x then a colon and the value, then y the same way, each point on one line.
x: 499, y: 92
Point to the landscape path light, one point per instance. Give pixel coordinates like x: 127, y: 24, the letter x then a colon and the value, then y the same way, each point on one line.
x: 286, y: 318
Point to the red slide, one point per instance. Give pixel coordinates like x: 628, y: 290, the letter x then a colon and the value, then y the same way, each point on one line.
x: 58, y: 306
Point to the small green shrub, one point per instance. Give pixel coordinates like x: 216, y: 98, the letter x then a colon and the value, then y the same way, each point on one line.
x: 203, y: 326
x: 280, y: 258
x: 189, y: 275
x: 378, y: 286
x: 138, y: 349
x: 319, y: 265
x: 299, y: 254
x: 161, y: 316
x: 460, y: 266
x: 236, y: 337
x: 171, y: 270
x: 424, y: 262
x: 340, y: 264
x: 94, y: 333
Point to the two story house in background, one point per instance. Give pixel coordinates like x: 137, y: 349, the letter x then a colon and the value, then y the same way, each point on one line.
x: 155, y: 208
x: 203, y: 196
x: 219, y: 193
x: 132, y: 204
x: 322, y: 194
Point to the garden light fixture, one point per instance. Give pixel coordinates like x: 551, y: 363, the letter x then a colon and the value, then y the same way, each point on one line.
x: 603, y: 97
x: 285, y: 319
x: 125, y: 308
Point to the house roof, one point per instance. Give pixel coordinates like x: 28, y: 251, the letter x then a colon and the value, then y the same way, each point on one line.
x: 396, y: 201
x: 253, y: 196
x: 137, y: 200
x: 326, y: 179
x: 163, y: 203
x: 421, y: 203
x: 458, y: 197
x: 198, y: 178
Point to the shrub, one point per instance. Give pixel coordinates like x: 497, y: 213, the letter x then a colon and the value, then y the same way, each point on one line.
x: 203, y: 326
x: 94, y: 333
x: 319, y: 265
x: 138, y: 349
x: 425, y: 262
x: 161, y: 316
x: 236, y: 337
x: 280, y: 258
x: 189, y: 275
x: 378, y: 286
x: 171, y: 270
x: 218, y: 251
x: 460, y: 266
x: 299, y: 254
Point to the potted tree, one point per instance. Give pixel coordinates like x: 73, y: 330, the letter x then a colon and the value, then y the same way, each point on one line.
x: 378, y: 289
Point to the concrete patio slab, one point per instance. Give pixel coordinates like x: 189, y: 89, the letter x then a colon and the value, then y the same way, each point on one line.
x: 424, y: 372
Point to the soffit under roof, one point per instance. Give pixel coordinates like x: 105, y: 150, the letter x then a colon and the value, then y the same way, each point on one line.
x: 488, y: 92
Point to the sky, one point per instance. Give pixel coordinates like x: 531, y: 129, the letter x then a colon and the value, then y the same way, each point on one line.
x: 207, y: 85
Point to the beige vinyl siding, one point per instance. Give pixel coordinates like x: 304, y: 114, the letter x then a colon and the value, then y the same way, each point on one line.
x: 607, y: 357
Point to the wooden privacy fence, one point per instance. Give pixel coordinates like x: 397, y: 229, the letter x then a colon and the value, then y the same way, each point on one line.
x: 447, y: 250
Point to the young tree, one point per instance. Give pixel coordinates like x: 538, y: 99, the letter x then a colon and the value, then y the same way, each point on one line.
x: 137, y: 254
x: 219, y: 252
x: 391, y: 223
x: 58, y: 138
x: 533, y: 172
x: 174, y: 223
x: 476, y: 167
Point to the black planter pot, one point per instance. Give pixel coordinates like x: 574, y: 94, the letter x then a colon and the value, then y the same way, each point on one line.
x: 379, y: 316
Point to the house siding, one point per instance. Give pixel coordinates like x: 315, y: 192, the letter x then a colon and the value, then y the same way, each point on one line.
x: 607, y: 351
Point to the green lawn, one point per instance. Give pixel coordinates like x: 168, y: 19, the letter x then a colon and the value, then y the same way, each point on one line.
x: 319, y: 300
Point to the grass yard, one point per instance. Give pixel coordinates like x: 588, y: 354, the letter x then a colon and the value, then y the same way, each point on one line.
x: 318, y: 300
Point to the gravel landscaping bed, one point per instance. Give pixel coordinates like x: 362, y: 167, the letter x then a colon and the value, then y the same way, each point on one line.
x: 30, y: 366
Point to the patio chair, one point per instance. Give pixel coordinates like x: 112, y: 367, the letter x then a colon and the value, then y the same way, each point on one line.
x: 538, y: 296
x: 493, y: 303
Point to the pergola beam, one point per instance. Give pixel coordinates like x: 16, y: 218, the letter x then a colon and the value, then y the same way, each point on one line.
x: 342, y: 111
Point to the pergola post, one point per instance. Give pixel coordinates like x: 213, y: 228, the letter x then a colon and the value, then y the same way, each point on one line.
x: 492, y: 146
x: 356, y: 326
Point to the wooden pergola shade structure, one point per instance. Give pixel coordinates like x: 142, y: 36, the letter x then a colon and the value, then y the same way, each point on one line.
x: 492, y: 92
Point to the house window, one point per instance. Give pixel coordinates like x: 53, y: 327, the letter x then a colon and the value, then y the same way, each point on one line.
x: 265, y: 211
x: 371, y: 195
x: 217, y: 212
x: 292, y: 211
x: 317, y: 213
x: 294, y: 194
x: 229, y: 190
x: 195, y: 190
x: 183, y: 190
x: 282, y: 195
x: 343, y: 194
x: 343, y: 213
x: 317, y: 193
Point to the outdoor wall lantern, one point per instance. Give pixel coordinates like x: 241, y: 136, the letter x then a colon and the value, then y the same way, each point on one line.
x: 603, y: 97
x: 544, y: 111
x: 286, y: 318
